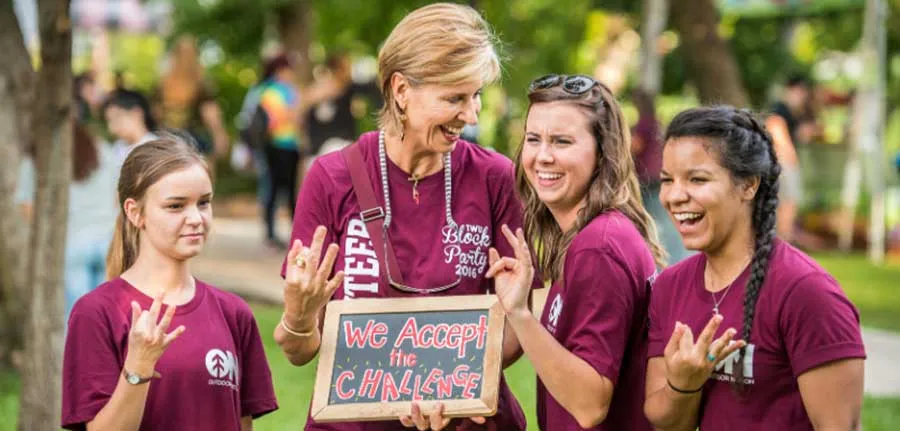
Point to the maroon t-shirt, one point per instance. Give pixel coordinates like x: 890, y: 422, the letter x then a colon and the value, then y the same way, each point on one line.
x: 599, y: 314
x: 803, y: 320
x: 212, y: 375
x: 429, y: 253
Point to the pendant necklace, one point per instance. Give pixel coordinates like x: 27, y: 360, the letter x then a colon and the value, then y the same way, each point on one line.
x: 718, y: 302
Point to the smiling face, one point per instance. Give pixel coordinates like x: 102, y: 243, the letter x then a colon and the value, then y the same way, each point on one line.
x: 559, y: 155
x: 436, y: 114
x: 706, y: 203
x: 176, y: 213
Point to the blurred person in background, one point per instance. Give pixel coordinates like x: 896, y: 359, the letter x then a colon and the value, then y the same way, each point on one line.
x: 646, y: 147
x: 331, y: 123
x: 185, y: 101
x: 128, y: 118
x: 785, y: 123
x: 91, y: 214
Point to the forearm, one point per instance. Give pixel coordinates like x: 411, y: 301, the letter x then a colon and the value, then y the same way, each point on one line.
x: 125, y: 408
x: 247, y: 423
x: 512, y: 350
x: 587, y: 401
x: 299, y: 349
x: 668, y: 410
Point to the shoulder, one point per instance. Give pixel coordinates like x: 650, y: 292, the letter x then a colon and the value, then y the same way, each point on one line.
x: 679, y: 275
x: 102, y: 302
x: 332, y: 167
x: 488, y: 162
x: 792, y: 272
x: 610, y: 232
x: 231, y: 304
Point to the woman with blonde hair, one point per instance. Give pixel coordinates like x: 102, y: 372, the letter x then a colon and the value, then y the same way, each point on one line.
x: 123, y: 369
x: 598, y: 246
x: 422, y: 190
x: 185, y: 101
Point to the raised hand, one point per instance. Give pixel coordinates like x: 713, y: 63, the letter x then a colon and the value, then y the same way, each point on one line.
x: 147, y: 339
x: 512, y: 276
x: 689, y: 365
x: 307, y: 288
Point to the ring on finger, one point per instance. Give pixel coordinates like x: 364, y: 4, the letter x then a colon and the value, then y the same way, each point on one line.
x: 710, y: 357
x: 302, y: 257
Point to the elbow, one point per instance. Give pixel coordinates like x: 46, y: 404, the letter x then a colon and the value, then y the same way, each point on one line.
x: 591, y: 416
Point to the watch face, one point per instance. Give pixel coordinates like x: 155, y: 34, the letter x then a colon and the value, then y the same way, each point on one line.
x: 133, y: 379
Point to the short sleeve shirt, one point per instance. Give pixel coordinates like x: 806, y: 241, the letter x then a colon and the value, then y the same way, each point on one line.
x: 212, y: 375
x: 803, y: 320
x: 599, y: 313
x: 429, y: 252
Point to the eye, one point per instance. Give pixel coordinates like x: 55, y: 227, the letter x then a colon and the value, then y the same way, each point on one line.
x: 455, y: 99
x: 665, y: 180
x: 532, y: 140
x: 204, y: 203
x: 698, y: 180
x: 174, y: 206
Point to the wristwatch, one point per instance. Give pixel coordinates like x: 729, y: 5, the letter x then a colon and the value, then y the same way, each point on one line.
x: 135, y: 379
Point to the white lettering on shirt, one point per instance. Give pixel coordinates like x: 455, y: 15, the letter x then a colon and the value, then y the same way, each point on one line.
x: 360, y: 260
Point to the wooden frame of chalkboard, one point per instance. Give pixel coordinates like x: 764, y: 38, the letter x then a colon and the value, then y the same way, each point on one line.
x: 325, y: 407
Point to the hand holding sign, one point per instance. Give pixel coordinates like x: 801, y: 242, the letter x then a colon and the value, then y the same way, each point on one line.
x: 689, y: 365
x: 512, y: 276
x: 307, y: 288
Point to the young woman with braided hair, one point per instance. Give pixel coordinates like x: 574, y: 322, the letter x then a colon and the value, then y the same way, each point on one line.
x: 798, y: 364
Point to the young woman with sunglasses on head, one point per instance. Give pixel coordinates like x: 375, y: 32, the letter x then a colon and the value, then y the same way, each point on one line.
x: 799, y: 362
x: 599, y: 246
x: 123, y: 368
x: 433, y: 207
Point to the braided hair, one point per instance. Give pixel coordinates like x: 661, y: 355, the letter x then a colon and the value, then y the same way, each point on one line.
x: 744, y: 147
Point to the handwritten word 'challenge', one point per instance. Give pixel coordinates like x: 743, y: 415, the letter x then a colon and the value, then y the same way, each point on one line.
x: 456, y: 336
x: 436, y: 383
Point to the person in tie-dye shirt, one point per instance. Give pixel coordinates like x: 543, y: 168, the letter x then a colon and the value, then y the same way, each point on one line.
x: 280, y: 101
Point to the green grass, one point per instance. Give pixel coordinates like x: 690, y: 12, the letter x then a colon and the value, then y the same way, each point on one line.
x: 873, y: 289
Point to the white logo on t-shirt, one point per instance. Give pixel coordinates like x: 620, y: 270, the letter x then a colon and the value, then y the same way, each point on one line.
x: 476, y: 238
x: 223, y: 367
x: 725, y: 370
x: 361, y: 267
x: 555, y: 310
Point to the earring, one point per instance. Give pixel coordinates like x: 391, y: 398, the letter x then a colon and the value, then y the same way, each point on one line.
x: 402, y: 125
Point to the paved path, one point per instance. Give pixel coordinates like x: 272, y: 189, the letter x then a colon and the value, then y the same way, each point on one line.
x: 236, y: 260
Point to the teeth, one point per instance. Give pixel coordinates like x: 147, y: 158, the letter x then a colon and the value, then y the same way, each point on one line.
x: 687, y: 216
x: 548, y: 176
x: 453, y: 130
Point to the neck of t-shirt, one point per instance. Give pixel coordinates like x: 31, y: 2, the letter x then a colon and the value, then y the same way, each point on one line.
x: 153, y: 273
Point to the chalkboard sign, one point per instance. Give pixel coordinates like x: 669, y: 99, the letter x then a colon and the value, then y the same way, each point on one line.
x: 380, y: 355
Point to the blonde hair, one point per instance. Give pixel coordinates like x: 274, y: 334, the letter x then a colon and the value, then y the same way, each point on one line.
x: 443, y: 43
x: 145, y: 166
x: 613, y: 186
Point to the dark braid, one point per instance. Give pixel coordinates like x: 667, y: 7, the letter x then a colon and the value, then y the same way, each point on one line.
x: 745, y: 148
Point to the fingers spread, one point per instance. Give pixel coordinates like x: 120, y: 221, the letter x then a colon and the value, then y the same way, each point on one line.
x: 674, y: 340
x: 706, y: 336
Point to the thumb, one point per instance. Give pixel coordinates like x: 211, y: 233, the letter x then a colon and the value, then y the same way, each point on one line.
x: 480, y: 420
x: 493, y: 256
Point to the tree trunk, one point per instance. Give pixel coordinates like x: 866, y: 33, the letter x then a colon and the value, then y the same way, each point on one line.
x: 16, y: 77
x: 294, y: 27
x: 41, y: 374
x: 655, y: 13
x: 710, y: 63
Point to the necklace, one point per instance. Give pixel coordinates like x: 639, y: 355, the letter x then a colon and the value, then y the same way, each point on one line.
x: 448, y: 185
x: 415, y: 179
x: 718, y: 302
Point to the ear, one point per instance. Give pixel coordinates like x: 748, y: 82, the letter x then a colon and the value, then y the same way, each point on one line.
x: 749, y: 188
x: 399, y: 89
x: 133, y: 212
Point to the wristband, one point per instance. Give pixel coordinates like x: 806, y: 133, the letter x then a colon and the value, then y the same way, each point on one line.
x: 682, y: 391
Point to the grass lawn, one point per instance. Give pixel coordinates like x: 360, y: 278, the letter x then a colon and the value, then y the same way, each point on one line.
x: 874, y: 290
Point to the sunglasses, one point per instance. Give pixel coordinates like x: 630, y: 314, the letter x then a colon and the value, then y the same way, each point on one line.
x: 572, y: 84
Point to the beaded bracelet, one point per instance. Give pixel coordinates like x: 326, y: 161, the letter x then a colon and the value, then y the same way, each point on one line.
x: 293, y: 332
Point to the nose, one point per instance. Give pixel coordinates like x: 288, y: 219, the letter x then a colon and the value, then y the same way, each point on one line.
x: 193, y: 216
x: 672, y: 193
x: 545, y: 154
x: 469, y: 113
